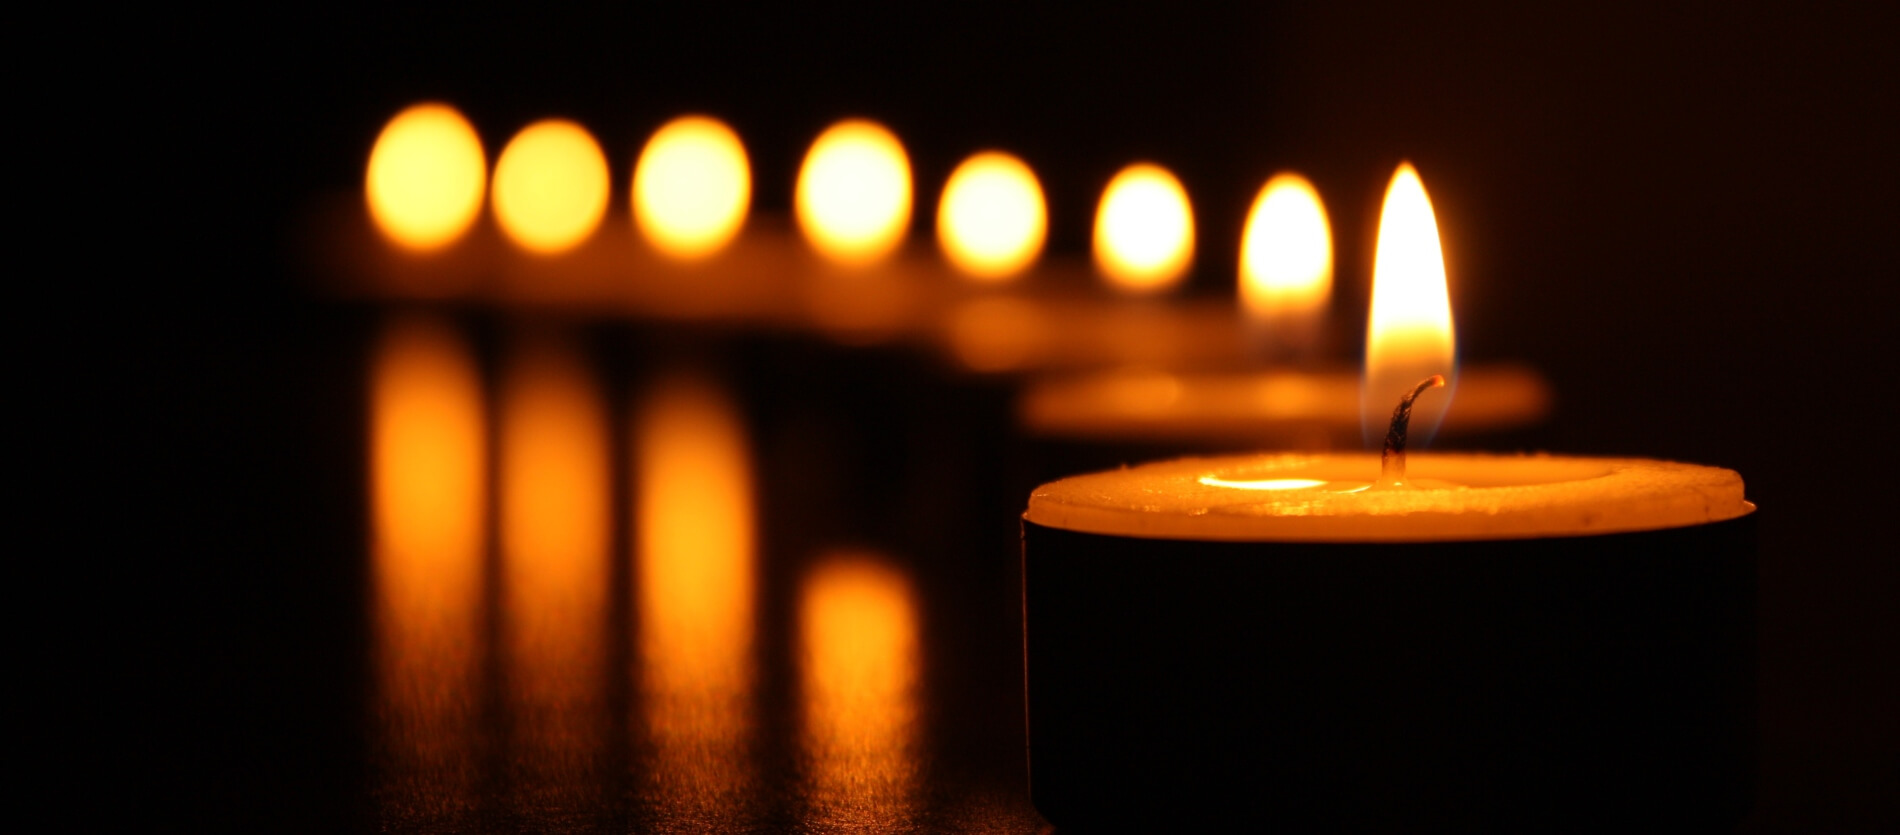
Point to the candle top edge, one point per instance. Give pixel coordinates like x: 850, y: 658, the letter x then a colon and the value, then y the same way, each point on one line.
x: 1297, y: 497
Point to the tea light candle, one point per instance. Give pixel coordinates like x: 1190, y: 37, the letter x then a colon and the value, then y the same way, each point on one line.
x: 1523, y: 641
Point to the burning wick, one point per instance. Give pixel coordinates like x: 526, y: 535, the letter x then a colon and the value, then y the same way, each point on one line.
x: 1392, y: 461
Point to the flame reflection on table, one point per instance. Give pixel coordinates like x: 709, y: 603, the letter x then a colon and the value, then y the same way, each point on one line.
x: 693, y: 587
x: 860, y: 659
x: 427, y: 491
x: 555, y: 572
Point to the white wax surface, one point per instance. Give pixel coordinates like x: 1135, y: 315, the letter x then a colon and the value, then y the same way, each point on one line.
x: 1459, y: 497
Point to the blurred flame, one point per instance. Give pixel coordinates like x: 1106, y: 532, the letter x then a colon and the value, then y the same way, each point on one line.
x: 1409, y: 335
x: 694, y: 578
x: 991, y: 221
x: 1286, y: 261
x: 691, y: 187
x: 853, y: 196
x: 426, y: 175
x: 858, y: 635
x: 555, y: 562
x: 1144, y: 230
x: 427, y: 487
x: 550, y: 186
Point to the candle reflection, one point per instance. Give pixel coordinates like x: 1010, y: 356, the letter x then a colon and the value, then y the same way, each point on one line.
x: 426, y: 487
x: 694, y: 587
x: 860, y: 658
x: 554, y: 535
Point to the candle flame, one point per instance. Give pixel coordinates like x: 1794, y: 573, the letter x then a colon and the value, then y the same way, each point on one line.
x: 1286, y: 262
x: 426, y: 177
x: 854, y: 194
x: 550, y: 186
x: 991, y: 221
x: 691, y: 187
x: 1409, y: 335
x: 1144, y: 230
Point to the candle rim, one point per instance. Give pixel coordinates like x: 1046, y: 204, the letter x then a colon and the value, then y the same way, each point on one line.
x: 1575, y: 496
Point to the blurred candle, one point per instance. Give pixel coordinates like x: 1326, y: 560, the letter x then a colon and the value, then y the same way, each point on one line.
x: 691, y: 187
x: 426, y: 176
x: 860, y: 668
x: 991, y: 220
x: 694, y: 577
x: 1286, y: 266
x: 554, y: 534
x: 550, y: 186
x: 854, y: 193
x: 427, y: 489
x: 1144, y: 231
x: 1409, y: 333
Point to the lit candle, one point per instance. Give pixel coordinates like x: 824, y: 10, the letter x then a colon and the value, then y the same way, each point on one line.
x: 1286, y: 274
x: 1377, y: 641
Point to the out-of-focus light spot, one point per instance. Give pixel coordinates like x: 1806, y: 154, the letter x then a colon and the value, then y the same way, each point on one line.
x: 854, y: 193
x: 556, y: 564
x: 425, y: 179
x: 991, y: 221
x: 693, y: 583
x: 427, y: 493
x: 691, y: 187
x: 861, y: 664
x: 1286, y: 261
x: 695, y: 538
x: 550, y: 186
x: 1144, y: 230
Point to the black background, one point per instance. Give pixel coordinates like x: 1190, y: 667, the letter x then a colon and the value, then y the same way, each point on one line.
x: 1684, y: 216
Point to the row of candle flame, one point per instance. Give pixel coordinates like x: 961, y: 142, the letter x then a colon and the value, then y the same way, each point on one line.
x: 694, y: 555
x: 692, y: 185
x: 428, y: 179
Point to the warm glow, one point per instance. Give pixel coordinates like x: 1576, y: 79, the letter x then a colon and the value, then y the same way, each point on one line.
x: 427, y: 488
x: 695, y: 530
x: 861, y: 657
x: 991, y: 222
x: 996, y: 333
x: 1262, y: 484
x: 1144, y: 230
x: 691, y: 187
x: 853, y: 200
x: 555, y: 525
x: 1409, y: 335
x: 1286, y: 261
x: 693, y: 587
x: 550, y: 186
x: 426, y: 176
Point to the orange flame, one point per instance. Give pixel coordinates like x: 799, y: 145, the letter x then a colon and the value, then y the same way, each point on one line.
x: 1409, y: 335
